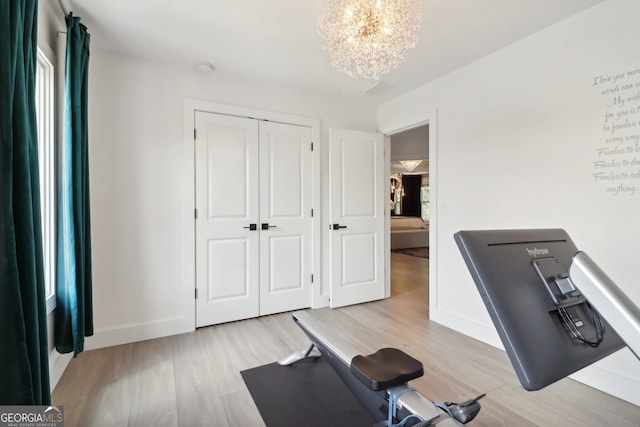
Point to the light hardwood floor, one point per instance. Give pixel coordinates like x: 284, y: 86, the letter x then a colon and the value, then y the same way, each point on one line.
x: 194, y: 379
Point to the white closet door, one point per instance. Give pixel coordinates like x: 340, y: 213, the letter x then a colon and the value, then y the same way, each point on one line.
x: 357, y: 190
x: 285, y: 217
x: 227, y: 203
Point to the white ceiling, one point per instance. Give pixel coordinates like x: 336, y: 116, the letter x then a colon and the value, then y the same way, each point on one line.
x: 276, y: 41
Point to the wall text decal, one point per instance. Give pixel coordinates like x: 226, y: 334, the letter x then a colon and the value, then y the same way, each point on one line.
x: 616, y: 167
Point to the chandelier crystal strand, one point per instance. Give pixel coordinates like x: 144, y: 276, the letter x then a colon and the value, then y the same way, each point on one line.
x: 369, y: 38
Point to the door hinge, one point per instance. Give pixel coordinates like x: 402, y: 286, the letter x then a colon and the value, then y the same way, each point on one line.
x: 195, y: 213
x: 195, y: 133
x: 312, y: 146
x: 196, y: 292
x: 312, y: 278
x: 312, y: 213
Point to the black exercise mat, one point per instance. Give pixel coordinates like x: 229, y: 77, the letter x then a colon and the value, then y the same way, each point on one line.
x: 307, y: 393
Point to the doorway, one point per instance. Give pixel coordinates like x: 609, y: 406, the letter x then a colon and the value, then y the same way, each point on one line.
x: 409, y: 210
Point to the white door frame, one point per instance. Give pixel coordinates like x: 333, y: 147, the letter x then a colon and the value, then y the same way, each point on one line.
x: 427, y: 116
x: 188, y: 192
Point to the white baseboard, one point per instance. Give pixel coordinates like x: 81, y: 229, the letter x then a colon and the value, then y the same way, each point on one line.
x: 57, y: 364
x: 605, y: 380
x: 466, y: 326
x: 608, y: 381
x: 139, y: 332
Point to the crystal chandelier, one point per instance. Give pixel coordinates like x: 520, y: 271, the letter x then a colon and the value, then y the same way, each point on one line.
x: 410, y: 165
x: 369, y: 38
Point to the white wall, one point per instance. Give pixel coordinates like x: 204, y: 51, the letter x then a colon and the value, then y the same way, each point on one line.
x: 517, y: 138
x: 136, y: 148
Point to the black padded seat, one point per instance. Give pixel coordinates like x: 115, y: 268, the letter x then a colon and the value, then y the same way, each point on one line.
x: 386, y: 368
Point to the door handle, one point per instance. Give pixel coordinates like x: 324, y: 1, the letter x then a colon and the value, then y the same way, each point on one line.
x: 252, y: 227
x: 266, y: 226
x: 338, y: 226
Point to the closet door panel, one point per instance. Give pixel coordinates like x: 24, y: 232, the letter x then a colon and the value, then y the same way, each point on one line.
x: 227, y: 203
x: 285, y: 206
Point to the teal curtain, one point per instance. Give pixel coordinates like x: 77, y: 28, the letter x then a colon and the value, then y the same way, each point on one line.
x: 24, y: 358
x: 74, y: 310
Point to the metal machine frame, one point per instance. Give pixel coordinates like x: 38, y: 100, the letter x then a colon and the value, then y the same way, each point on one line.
x: 338, y: 353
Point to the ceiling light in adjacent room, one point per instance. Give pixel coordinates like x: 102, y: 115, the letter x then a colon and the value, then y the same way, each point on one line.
x: 369, y: 38
x: 410, y: 165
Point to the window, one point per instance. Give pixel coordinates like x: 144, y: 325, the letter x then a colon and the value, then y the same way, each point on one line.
x: 45, y: 113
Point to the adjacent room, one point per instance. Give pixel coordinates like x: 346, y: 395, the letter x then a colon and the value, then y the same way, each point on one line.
x: 221, y: 186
